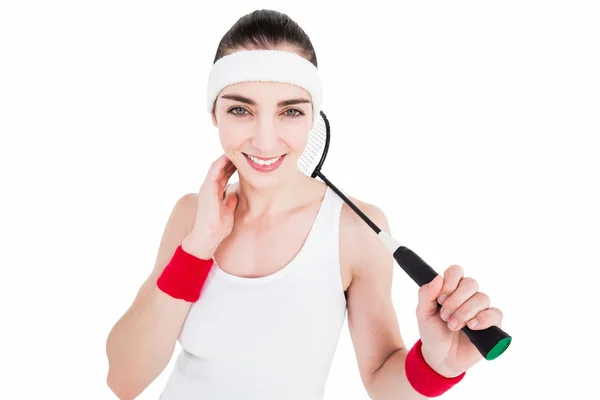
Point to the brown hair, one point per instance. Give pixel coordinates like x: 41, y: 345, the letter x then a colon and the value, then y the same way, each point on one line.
x: 266, y: 29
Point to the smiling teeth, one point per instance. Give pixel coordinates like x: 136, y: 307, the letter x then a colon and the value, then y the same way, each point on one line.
x: 264, y: 162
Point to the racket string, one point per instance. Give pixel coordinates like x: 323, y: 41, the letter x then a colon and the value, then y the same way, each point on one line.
x: 314, y: 148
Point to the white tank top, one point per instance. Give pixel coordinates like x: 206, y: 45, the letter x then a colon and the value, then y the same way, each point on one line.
x: 267, y: 338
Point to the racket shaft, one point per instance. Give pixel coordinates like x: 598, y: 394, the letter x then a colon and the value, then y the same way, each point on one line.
x: 349, y: 202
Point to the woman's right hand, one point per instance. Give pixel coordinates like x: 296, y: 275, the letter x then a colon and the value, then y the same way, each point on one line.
x: 214, y: 218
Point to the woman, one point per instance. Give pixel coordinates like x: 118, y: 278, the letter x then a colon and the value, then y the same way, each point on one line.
x: 254, y: 279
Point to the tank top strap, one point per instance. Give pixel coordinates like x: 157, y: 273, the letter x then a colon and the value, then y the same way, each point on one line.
x: 330, y: 215
x: 323, y: 246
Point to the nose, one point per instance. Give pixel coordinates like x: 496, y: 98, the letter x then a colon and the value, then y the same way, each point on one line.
x: 265, y: 136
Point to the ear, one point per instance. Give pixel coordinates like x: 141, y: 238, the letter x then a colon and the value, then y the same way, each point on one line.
x: 214, y: 119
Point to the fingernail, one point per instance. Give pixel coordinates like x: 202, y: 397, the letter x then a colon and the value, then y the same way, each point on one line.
x: 473, y: 323
x: 441, y: 298
x: 445, y: 314
x: 453, y: 322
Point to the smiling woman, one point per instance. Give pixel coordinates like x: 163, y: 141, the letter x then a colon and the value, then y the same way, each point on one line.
x: 263, y: 127
x: 254, y: 279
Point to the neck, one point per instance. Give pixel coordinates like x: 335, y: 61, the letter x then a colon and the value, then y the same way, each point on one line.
x: 256, y: 202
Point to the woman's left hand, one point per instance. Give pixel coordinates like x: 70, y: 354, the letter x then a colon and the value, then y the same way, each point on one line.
x: 445, y: 347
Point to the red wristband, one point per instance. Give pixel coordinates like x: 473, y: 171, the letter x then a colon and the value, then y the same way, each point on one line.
x: 425, y: 379
x: 184, y: 276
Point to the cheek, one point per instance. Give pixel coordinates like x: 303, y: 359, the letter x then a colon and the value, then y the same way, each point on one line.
x: 297, y: 139
x: 299, y: 144
x: 231, y: 137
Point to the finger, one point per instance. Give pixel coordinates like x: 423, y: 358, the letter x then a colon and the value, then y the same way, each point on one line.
x: 225, y: 192
x: 427, y: 305
x: 220, y: 162
x: 226, y: 173
x: 466, y: 288
x: 216, y: 168
x: 223, y: 180
x: 231, y: 201
x: 486, y: 318
x: 231, y: 168
x: 452, y: 277
x: 468, y: 310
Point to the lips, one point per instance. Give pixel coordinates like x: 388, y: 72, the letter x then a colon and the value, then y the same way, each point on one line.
x: 263, y: 164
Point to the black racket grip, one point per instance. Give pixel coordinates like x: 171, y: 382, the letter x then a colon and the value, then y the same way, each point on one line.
x: 491, y: 342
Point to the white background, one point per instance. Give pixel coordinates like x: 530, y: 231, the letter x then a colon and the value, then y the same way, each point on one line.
x: 473, y: 125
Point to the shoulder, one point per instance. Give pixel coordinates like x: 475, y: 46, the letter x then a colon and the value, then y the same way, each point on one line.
x: 361, y: 247
x: 183, y: 214
x: 179, y: 224
x: 351, y: 220
x: 185, y: 209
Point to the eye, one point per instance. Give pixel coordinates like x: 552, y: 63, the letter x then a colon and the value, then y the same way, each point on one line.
x: 240, y: 111
x: 294, y: 112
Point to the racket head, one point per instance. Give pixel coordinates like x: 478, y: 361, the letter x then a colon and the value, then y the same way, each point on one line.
x: 317, y: 146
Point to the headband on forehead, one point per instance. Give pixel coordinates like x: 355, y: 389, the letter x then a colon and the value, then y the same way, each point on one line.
x: 264, y: 66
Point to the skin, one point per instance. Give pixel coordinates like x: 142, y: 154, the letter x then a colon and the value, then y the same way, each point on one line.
x: 280, y: 207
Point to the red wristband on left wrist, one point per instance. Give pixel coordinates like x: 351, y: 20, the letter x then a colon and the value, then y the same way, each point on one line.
x: 425, y: 379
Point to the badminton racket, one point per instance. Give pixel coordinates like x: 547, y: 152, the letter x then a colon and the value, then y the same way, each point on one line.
x: 491, y: 342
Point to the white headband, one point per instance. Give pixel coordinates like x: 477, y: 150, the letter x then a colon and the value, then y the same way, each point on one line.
x: 264, y: 66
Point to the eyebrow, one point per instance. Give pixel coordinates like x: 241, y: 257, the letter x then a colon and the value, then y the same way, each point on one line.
x: 251, y: 102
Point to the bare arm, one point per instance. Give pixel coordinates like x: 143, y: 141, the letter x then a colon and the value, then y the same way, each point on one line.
x: 142, y: 341
x: 372, y: 320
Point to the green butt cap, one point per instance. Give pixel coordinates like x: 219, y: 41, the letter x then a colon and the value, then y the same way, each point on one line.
x: 499, y: 348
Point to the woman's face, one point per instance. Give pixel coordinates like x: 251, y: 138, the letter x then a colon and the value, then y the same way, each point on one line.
x: 263, y: 129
